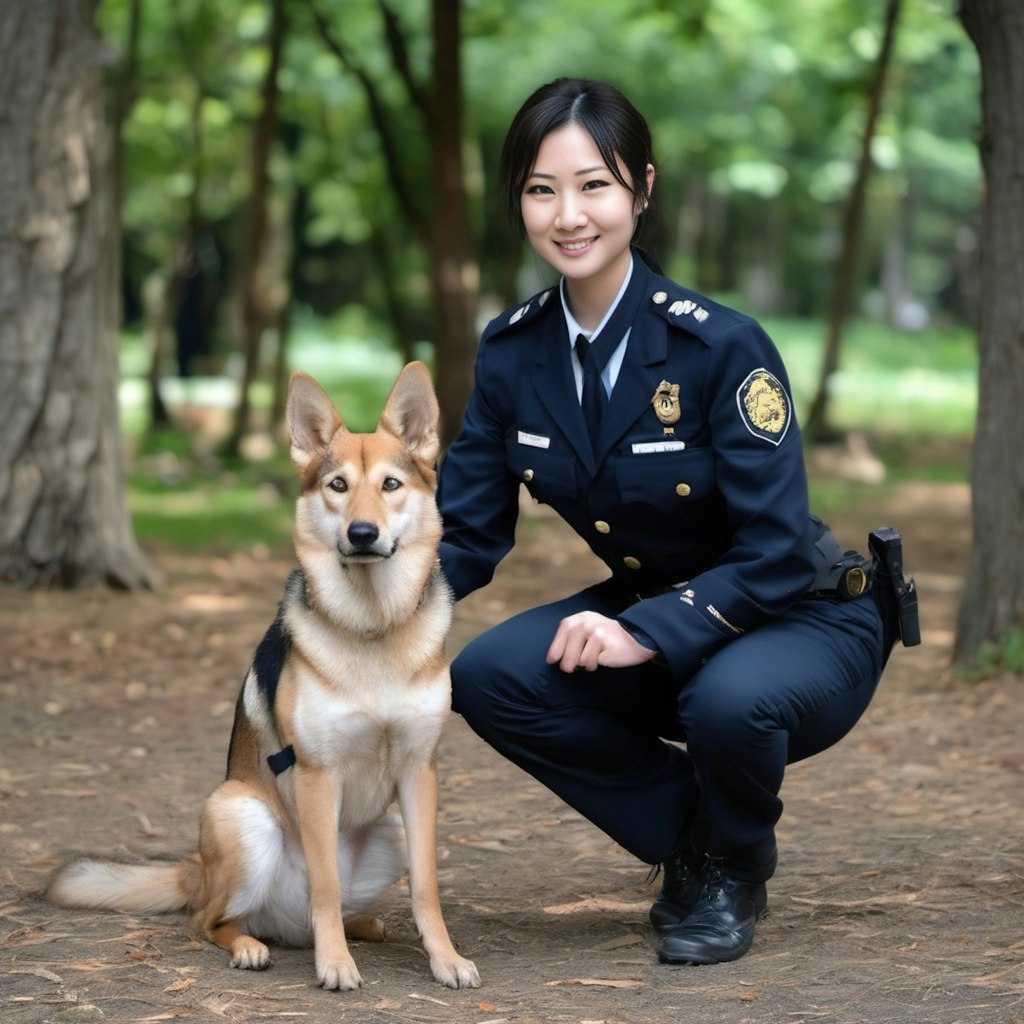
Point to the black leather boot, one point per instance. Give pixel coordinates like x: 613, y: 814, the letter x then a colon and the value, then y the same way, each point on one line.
x: 680, y: 887
x: 720, y: 927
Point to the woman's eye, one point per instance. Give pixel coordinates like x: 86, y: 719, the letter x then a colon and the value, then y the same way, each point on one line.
x: 596, y: 183
x: 338, y: 484
x: 539, y: 190
x: 391, y: 484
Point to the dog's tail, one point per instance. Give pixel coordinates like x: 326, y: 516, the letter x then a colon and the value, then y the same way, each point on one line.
x: 148, y: 888
x: 370, y: 862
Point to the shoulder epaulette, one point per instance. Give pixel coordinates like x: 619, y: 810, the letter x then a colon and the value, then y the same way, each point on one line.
x: 692, y: 312
x: 522, y: 315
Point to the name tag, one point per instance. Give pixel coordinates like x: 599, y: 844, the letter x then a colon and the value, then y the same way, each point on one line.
x: 534, y: 440
x: 647, y: 447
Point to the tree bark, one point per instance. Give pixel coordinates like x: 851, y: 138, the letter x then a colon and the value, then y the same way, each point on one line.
x: 816, y: 427
x: 454, y: 268
x: 993, y: 600
x: 63, y: 517
x: 253, y: 313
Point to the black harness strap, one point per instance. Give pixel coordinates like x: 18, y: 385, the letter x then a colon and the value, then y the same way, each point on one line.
x: 282, y: 760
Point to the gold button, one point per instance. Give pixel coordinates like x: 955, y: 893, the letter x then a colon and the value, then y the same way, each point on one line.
x: 682, y: 490
x: 602, y: 527
x: 630, y: 562
x: 527, y: 475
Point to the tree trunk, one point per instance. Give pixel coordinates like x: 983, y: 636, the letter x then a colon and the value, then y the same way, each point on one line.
x: 253, y: 314
x: 454, y: 269
x: 63, y: 518
x: 816, y: 427
x: 993, y: 600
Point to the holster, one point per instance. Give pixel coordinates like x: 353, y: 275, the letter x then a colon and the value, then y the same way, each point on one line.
x: 846, y: 575
x: 895, y: 595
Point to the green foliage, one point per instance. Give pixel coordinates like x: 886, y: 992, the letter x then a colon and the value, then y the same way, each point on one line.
x: 756, y: 109
x: 995, y: 659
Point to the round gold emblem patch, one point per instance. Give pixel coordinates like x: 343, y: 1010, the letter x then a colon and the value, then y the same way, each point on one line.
x: 764, y: 406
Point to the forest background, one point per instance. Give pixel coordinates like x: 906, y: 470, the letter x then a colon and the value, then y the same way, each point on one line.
x: 284, y: 184
x: 297, y: 184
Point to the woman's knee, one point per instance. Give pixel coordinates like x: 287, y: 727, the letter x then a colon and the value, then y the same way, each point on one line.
x: 472, y: 683
x: 507, y: 662
x: 717, y: 706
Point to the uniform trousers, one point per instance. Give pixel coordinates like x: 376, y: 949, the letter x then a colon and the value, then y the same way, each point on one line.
x: 645, y: 758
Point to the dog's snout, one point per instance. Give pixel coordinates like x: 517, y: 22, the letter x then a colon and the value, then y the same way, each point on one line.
x: 362, y: 534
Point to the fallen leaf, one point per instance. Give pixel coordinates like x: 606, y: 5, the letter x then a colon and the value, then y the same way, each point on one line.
x: 428, y: 999
x: 40, y: 972
x: 891, y: 899
x: 748, y: 997
x: 603, y: 982
x: 89, y: 966
x: 619, y: 943
x: 38, y: 936
x: 596, y: 903
x: 182, y: 985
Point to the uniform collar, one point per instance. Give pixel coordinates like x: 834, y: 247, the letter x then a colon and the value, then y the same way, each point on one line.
x: 572, y: 324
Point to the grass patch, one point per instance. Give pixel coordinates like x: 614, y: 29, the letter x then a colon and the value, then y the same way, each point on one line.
x: 995, y: 659
x: 913, y: 395
x: 194, y: 511
x: 888, y: 381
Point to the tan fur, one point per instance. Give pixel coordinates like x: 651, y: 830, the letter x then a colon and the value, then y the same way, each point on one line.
x: 362, y: 696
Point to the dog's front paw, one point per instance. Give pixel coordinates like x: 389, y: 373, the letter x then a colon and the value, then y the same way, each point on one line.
x: 454, y: 971
x: 340, y: 973
x: 249, y: 954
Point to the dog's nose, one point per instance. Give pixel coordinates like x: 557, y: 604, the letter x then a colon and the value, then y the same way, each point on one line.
x: 362, y: 534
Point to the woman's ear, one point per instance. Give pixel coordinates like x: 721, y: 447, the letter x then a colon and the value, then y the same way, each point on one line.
x: 650, y: 185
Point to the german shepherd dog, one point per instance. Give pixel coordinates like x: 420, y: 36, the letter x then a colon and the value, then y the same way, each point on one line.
x: 341, y: 712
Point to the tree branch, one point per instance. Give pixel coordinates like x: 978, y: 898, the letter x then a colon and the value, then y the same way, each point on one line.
x: 400, y: 60
x: 378, y: 115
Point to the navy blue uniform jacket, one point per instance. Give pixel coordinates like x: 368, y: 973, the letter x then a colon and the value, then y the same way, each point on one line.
x: 712, y: 505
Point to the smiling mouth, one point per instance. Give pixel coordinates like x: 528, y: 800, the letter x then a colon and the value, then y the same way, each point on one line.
x: 577, y: 245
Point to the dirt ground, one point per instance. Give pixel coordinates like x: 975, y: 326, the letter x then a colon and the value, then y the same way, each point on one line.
x: 899, y: 896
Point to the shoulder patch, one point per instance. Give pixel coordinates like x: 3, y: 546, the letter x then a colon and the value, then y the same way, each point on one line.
x: 519, y: 315
x: 764, y: 406
x: 684, y: 307
x: 691, y: 312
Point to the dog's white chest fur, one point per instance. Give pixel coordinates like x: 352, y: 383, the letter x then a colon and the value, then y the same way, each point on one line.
x: 374, y: 739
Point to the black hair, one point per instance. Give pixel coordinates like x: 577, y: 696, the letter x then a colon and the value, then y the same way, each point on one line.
x: 618, y: 129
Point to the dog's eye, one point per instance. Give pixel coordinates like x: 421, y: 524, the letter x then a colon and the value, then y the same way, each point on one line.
x: 338, y: 484
x: 391, y: 484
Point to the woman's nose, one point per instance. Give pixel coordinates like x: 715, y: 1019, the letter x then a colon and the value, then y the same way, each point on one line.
x: 570, y: 213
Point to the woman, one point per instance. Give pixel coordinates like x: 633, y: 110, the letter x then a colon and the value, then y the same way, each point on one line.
x: 667, y: 440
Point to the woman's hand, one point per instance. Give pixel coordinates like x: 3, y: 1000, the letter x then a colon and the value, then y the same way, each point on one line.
x: 588, y: 640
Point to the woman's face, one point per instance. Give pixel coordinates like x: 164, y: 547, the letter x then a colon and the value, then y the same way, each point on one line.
x: 577, y: 216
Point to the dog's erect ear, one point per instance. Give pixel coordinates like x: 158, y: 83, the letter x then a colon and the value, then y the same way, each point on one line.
x: 412, y: 412
x: 312, y: 419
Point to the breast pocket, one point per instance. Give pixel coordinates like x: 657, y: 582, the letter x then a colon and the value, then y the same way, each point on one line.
x: 670, y: 481
x: 548, y: 475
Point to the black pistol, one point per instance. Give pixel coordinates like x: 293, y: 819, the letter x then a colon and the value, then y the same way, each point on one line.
x: 887, y: 550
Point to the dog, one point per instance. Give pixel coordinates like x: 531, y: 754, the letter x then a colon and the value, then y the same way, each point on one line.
x: 340, y: 713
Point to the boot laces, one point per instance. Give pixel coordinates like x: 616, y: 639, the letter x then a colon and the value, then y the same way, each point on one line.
x: 713, y: 876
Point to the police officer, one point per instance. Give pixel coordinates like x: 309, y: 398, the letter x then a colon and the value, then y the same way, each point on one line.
x: 659, y: 424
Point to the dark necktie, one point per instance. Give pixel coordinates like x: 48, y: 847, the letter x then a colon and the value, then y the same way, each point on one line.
x: 594, y: 398
x: 593, y: 356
